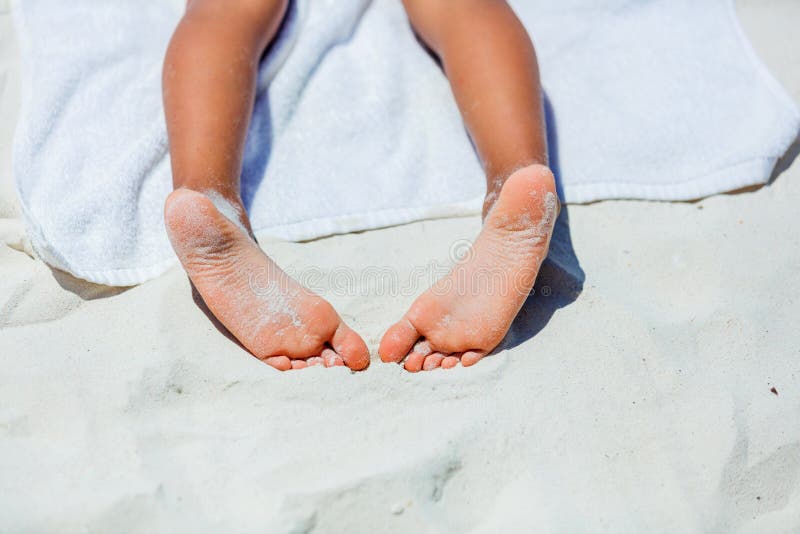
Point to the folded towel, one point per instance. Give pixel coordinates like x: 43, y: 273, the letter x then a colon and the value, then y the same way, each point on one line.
x: 355, y: 128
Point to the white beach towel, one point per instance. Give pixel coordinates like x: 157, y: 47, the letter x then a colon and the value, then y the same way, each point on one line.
x: 355, y: 127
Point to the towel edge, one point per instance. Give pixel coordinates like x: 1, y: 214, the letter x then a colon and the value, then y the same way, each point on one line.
x: 752, y: 172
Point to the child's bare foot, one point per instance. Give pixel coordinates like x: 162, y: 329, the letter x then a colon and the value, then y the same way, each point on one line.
x: 274, y: 317
x: 466, y: 314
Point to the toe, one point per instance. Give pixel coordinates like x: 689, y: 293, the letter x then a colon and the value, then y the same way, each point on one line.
x: 471, y: 357
x: 414, y: 362
x: 299, y: 364
x: 351, y: 348
x: 281, y: 363
x: 329, y: 356
x: 397, y: 341
x: 423, y: 347
x: 315, y: 360
x: 331, y: 359
x: 432, y: 361
x: 449, y: 362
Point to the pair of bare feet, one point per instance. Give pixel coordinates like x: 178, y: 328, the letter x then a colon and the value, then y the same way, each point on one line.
x: 462, y: 318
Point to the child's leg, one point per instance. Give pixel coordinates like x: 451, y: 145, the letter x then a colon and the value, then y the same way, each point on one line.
x: 491, y: 64
x: 209, y: 83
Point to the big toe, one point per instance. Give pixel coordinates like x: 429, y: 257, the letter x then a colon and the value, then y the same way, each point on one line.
x: 398, y: 341
x: 351, y: 348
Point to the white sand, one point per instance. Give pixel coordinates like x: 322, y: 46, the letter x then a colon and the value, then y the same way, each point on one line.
x: 644, y: 405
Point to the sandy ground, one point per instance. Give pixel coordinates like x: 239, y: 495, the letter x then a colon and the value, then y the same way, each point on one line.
x: 644, y: 403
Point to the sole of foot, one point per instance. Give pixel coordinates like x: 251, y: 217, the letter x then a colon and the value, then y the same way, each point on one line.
x: 275, y: 318
x: 466, y: 314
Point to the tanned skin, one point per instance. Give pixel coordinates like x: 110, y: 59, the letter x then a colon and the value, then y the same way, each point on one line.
x: 209, y: 82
